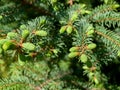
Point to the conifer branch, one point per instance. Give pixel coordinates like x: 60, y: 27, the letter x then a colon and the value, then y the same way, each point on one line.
x: 107, y: 37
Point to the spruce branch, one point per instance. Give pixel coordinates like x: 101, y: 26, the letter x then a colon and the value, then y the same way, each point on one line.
x: 108, y: 37
x: 100, y: 10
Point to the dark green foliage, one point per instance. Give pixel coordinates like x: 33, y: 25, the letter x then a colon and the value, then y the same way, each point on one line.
x: 59, y: 44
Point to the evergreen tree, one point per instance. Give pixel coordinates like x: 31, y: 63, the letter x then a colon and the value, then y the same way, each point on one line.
x: 59, y: 45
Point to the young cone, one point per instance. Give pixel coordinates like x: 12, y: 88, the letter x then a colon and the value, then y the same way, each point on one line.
x: 62, y: 29
x: 90, y: 32
x: 72, y: 49
x: 73, y: 54
x: 8, y: 45
x: 41, y: 33
x: 118, y: 53
x: 28, y: 46
x: 83, y: 58
x: 25, y: 34
x: 69, y: 30
x: 91, y: 46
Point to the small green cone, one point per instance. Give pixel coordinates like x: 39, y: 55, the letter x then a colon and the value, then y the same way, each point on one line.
x: 42, y: 21
x: 2, y: 41
x: 85, y: 67
x: 1, y: 17
x: 74, y: 49
x: 28, y: 46
x: 90, y: 32
x: 11, y: 35
x: 8, y: 45
x: 25, y: 34
x: 96, y: 80
x: 83, y: 58
x: 73, y: 54
x: 23, y: 27
x: 62, y: 29
x: 69, y: 30
x: 53, y: 1
x: 118, y: 53
x: 91, y: 46
x: 41, y: 33
x: 74, y: 17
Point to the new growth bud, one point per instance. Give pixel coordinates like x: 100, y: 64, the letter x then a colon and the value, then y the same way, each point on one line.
x: 41, y: 33
x: 73, y: 54
x: 72, y: 49
x: 83, y: 58
x: 91, y: 46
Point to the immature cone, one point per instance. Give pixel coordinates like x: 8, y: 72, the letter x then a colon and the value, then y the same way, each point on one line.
x: 22, y: 27
x: 8, y: 45
x: 42, y: 21
x: 55, y: 51
x: 2, y: 41
x: 115, y: 6
x: 83, y: 58
x: 25, y: 34
x: 1, y: 17
x: 90, y: 32
x: 85, y: 67
x: 28, y: 46
x: 96, y: 80
x: 73, y: 54
x: 118, y: 53
x: 91, y: 46
x: 11, y: 35
x: 41, y: 33
x: 53, y: 1
x: 74, y: 17
x: 62, y: 29
x: 90, y: 74
x: 72, y: 49
x: 69, y: 30
x: 55, y: 8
